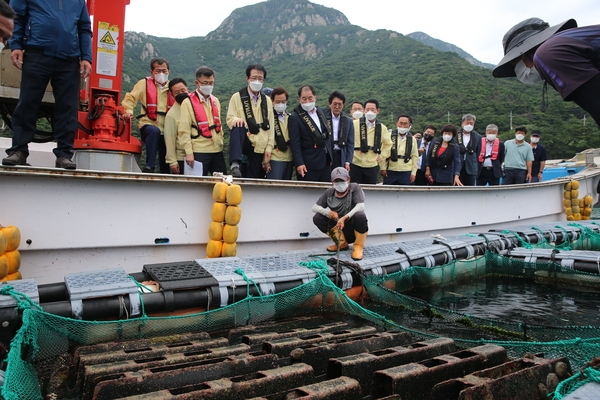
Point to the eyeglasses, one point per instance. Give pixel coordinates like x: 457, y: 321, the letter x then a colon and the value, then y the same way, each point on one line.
x: 206, y: 83
x: 257, y: 78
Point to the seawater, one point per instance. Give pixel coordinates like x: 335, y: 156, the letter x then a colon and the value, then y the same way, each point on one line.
x: 516, y: 300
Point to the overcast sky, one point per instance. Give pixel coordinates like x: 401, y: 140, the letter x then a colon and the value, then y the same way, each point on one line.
x: 476, y: 26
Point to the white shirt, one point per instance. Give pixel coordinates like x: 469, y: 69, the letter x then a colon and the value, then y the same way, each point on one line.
x: 466, y: 139
x: 315, y: 117
x: 424, y: 145
x: 335, y: 124
x: 487, y: 162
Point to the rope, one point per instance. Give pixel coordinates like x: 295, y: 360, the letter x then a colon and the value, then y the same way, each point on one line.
x: 248, y: 281
x: 573, y: 383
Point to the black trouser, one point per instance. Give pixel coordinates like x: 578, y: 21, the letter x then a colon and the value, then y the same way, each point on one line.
x: 316, y: 175
x: 213, y: 162
x: 337, y: 159
x: 38, y: 70
x: 466, y: 179
x: 486, y: 177
x: 358, y: 223
x: 364, y: 175
x: 587, y: 96
x: 514, y: 176
x: 420, y: 179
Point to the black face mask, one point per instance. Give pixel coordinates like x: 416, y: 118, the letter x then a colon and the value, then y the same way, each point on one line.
x: 181, y: 97
x: 428, y: 137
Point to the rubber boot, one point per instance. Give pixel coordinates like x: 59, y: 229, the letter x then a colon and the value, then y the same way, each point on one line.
x: 359, y: 245
x: 337, y: 237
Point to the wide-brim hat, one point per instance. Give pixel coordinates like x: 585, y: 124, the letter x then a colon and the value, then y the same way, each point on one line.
x: 523, y: 37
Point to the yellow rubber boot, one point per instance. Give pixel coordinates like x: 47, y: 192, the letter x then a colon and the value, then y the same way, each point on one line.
x: 337, y: 237
x: 359, y: 245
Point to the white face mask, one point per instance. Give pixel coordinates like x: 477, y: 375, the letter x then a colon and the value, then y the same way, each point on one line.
x: 403, y: 131
x: 467, y: 128
x: 357, y: 114
x: 280, y: 107
x: 491, y: 137
x: 519, y: 137
x: 161, y: 78
x: 256, y: 86
x: 535, y: 139
x: 371, y: 115
x: 340, y: 187
x: 526, y: 75
x: 308, y: 106
x: 206, y: 90
x: 447, y: 138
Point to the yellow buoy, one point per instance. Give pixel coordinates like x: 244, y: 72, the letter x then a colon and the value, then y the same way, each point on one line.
x: 230, y: 233
x: 3, y: 242
x: 569, y: 211
x: 14, y: 261
x: 234, y: 195
x: 233, y: 215
x: 575, y: 202
x: 567, y: 202
x: 576, y: 209
x: 12, y: 277
x: 567, y: 194
x: 588, y: 200
x: 577, y: 217
x: 3, y: 266
x: 574, y: 193
x: 215, y: 230
x: 13, y: 237
x: 229, y: 250
x: 568, y: 187
x: 218, y: 212
x: 220, y: 192
x: 581, y: 203
x: 213, y: 248
x: 570, y: 218
x: 574, y: 185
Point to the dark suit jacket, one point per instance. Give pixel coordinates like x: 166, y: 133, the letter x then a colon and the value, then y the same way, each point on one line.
x: 348, y: 149
x: 496, y: 164
x: 303, y: 145
x: 470, y: 161
x: 440, y: 174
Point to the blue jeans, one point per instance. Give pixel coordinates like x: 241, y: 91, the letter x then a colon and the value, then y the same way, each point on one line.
x: 155, y: 143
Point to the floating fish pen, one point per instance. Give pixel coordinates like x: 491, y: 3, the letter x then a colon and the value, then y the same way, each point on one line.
x: 304, y: 325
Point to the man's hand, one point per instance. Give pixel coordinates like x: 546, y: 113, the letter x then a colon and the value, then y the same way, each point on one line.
x: 457, y: 181
x: 540, y: 176
x: 341, y: 222
x: 85, y: 68
x: 16, y: 56
x: 383, y: 173
x: 267, y: 166
x: 412, y: 178
x: 240, y: 123
x: 347, y: 166
x: 333, y: 215
x: 189, y: 160
x: 528, y: 177
x: 301, y: 170
x: 127, y: 117
x: 175, y: 169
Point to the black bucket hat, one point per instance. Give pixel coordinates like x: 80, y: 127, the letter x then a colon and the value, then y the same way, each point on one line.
x: 523, y: 37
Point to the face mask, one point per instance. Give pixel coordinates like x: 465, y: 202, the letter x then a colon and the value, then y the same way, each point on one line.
x: 447, y: 138
x: 206, y: 90
x: 256, y: 86
x: 428, y: 137
x: 280, y: 108
x: 371, y: 115
x: 535, y: 139
x: 403, y: 131
x: 357, y: 114
x: 519, y: 137
x: 467, y: 128
x: 181, y: 97
x: 308, y: 106
x: 340, y: 187
x: 491, y: 137
x: 161, y: 78
x: 526, y: 75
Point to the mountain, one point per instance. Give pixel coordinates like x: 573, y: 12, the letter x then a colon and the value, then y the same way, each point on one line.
x: 300, y: 42
x: 447, y: 47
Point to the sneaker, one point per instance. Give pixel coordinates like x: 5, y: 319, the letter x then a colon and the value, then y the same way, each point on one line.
x: 235, y: 172
x: 15, y: 158
x: 66, y: 163
x: 148, y: 170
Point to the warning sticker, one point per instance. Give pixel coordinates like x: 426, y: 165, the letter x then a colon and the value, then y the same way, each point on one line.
x: 107, y: 49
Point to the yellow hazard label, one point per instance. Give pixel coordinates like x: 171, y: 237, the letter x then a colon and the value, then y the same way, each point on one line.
x: 107, y: 38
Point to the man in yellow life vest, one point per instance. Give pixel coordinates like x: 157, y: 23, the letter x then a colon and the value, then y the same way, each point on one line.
x: 156, y: 100
x: 200, y: 132
x: 175, y: 154
x: 400, y: 168
x: 251, y: 120
x: 372, y: 144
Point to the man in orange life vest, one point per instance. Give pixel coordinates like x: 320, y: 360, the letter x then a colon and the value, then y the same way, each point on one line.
x: 490, y: 158
x: 153, y: 93
x: 200, y: 132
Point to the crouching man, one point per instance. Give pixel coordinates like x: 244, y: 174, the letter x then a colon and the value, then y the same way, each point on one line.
x: 340, y: 213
